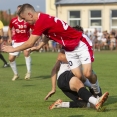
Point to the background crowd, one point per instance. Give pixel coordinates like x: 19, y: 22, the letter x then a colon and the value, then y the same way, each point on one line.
x: 102, y: 40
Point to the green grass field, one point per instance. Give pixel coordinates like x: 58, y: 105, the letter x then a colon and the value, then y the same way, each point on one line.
x: 23, y: 98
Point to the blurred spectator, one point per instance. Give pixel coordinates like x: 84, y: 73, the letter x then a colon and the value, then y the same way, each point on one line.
x: 104, y: 44
x: 112, y: 41
x: 99, y: 40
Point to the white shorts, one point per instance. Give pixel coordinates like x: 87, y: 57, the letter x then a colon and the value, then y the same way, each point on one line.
x: 16, y: 45
x: 82, y: 54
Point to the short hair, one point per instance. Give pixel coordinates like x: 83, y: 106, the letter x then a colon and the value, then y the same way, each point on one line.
x: 24, y: 7
x: 19, y: 6
x: 79, y: 28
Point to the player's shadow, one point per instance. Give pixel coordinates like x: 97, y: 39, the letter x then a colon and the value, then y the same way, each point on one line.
x: 28, y: 85
x: 111, y: 100
x: 42, y: 77
x: 76, y: 116
x: 21, y: 64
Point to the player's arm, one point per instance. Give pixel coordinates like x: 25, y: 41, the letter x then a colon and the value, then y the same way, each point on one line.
x: 28, y: 44
x: 53, y: 79
x: 9, y: 35
x: 41, y: 44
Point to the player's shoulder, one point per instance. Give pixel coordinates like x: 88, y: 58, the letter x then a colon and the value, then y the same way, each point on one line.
x: 14, y: 19
x: 45, y: 15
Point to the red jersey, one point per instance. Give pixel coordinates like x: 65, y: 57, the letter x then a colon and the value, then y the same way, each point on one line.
x: 21, y: 29
x: 57, y: 30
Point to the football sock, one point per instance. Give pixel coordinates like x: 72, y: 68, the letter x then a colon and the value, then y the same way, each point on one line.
x: 95, y: 87
x: 65, y: 104
x: 87, y: 83
x: 78, y: 104
x: 2, y: 58
x: 28, y: 63
x: 14, y: 68
x: 93, y: 100
x: 84, y: 94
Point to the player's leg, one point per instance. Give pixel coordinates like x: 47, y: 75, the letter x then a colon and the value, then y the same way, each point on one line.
x: 63, y: 84
x: 83, y: 54
x: 12, y: 57
x: 3, y: 59
x: 28, y: 64
x: 12, y: 61
x: 92, y: 77
x: 75, y: 64
x: 71, y: 104
x: 86, y: 95
x: 86, y: 57
x: 73, y: 95
x: 95, y: 88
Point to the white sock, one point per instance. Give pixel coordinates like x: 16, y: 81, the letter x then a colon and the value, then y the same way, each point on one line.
x: 87, y: 83
x: 28, y: 63
x: 96, y: 87
x: 93, y: 100
x: 13, y: 67
x: 88, y: 105
x: 65, y: 104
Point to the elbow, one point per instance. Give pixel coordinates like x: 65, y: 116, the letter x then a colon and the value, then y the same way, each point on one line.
x: 53, y: 72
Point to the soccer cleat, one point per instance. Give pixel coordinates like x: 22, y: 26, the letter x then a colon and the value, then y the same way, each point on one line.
x: 94, y: 94
x: 56, y: 104
x: 101, y: 101
x: 6, y: 65
x: 27, y: 76
x: 15, y: 77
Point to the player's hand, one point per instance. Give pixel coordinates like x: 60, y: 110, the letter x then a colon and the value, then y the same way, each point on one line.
x: 49, y: 95
x: 7, y: 48
x: 32, y: 49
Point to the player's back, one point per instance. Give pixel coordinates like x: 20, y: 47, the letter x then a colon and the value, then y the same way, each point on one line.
x: 58, y: 31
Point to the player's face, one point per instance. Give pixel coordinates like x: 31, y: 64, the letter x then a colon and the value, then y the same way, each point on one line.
x: 28, y: 17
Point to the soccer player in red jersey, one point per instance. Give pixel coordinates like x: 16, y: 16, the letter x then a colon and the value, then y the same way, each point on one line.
x: 19, y: 32
x: 78, y: 47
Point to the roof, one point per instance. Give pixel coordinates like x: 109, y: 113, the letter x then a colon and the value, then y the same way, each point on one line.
x: 71, y: 2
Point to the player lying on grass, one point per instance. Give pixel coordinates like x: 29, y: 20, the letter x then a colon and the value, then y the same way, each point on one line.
x: 72, y: 87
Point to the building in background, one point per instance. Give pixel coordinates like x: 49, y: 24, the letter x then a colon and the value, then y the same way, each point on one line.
x: 50, y: 7
x: 100, y: 14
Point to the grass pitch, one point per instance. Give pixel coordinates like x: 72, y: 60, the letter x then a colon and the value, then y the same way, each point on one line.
x: 25, y: 98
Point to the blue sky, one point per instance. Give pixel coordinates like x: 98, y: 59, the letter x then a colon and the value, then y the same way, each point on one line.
x: 39, y: 5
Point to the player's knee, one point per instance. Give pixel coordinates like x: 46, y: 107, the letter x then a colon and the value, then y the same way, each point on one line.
x: 75, y: 84
x: 87, y: 74
x: 78, y: 75
x: 12, y: 58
